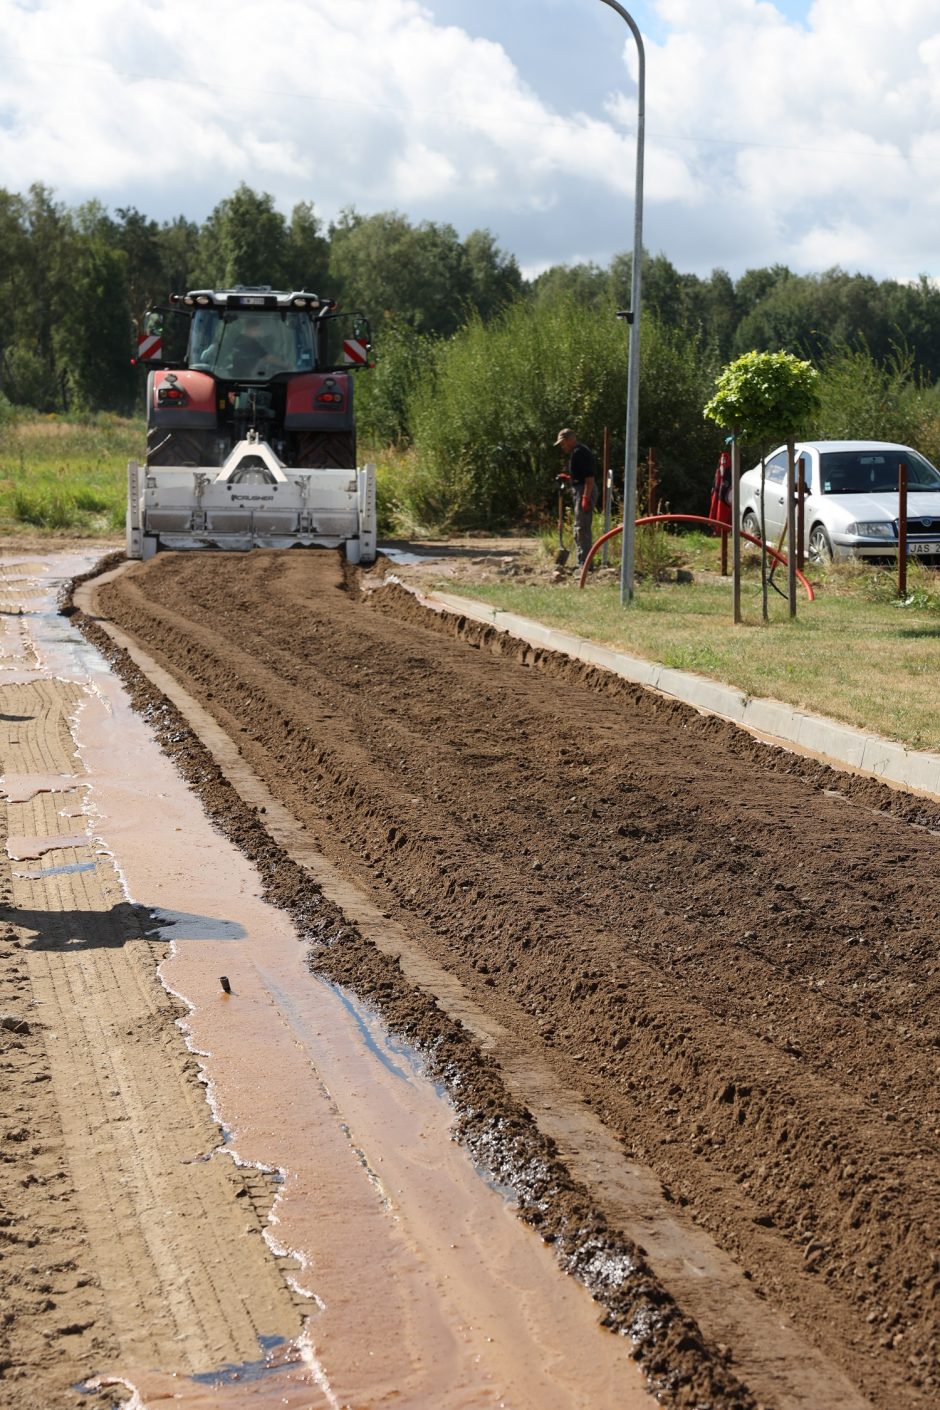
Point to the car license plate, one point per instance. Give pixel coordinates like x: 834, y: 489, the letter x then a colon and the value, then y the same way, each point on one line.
x: 932, y: 548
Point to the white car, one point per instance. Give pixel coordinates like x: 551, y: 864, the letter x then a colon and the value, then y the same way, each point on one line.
x: 851, y: 506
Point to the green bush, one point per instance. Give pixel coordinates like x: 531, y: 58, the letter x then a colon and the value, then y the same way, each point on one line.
x: 862, y: 399
x: 29, y: 379
x: 404, y: 362
x: 90, y: 499
x: 485, y: 422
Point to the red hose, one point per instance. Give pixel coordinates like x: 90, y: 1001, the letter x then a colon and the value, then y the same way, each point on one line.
x: 689, y: 519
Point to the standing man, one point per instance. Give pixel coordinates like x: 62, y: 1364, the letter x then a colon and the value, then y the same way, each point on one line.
x: 582, y: 473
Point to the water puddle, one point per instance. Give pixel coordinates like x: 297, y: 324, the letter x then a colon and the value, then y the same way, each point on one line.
x: 68, y: 870
x: 423, y: 1287
x: 180, y: 926
x: 20, y: 788
x: 406, y: 559
x: 28, y: 849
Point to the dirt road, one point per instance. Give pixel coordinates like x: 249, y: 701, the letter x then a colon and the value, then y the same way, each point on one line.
x: 723, y: 952
x: 225, y: 1195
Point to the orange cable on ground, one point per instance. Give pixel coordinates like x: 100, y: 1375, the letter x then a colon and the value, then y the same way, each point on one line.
x: 688, y: 519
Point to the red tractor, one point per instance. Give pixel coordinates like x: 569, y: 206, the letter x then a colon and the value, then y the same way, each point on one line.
x: 251, y: 437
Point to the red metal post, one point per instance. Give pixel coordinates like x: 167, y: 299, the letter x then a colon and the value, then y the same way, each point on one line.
x: 902, y: 530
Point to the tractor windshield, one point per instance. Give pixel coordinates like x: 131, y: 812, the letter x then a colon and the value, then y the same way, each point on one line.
x: 252, y: 344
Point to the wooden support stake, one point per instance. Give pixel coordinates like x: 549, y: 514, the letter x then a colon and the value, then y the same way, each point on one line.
x: 902, y: 530
x: 790, y: 528
x: 801, y: 515
x: 605, y: 499
x: 736, y: 527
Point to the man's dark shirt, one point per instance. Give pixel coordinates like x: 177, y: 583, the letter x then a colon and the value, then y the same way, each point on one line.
x: 581, y: 465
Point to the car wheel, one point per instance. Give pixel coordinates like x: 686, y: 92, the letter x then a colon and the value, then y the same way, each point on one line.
x: 819, y: 545
x: 750, y: 524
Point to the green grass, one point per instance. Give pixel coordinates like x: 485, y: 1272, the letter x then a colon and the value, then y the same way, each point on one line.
x: 60, y: 476
x: 854, y: 654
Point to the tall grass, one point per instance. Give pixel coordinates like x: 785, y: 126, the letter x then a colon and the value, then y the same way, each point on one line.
x: 64, y: 475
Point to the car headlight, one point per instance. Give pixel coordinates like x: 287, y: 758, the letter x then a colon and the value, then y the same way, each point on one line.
x: 876, y: 529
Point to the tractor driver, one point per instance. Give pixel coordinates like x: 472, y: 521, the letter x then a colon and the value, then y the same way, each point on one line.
x: 251, y: 353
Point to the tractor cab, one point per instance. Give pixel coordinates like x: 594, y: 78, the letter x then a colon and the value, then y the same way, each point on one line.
x: 253, y: 334
x: 240, y: 344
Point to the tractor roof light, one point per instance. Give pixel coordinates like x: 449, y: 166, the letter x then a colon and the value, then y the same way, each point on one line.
x: 203, y: 299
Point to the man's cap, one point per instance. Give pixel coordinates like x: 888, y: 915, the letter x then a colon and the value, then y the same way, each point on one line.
x: 563, y: 435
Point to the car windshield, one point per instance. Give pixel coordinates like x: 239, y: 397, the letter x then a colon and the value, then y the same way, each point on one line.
x: 875, y: 471
x: 253, y: 344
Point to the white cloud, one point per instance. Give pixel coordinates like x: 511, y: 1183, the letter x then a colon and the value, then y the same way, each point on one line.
x: 365, y: 101
x: 767, y: 140
x: 824, y: 132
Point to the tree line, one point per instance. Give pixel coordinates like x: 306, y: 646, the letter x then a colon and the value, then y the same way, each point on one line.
x: 72, y: 280
x: 476, y: 365
x: 474, y: 415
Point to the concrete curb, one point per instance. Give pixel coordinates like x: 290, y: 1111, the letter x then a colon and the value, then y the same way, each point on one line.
x: 814, y: 735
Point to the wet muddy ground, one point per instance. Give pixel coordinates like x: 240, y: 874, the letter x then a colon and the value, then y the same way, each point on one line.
x: 227, y: 1193
x: 728, y: 952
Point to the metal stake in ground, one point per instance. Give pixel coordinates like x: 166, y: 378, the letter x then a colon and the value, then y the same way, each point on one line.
x: 561, y: 557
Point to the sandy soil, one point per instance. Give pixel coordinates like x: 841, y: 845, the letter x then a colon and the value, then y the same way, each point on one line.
x: 729, y: 952
x: 119, y: 1237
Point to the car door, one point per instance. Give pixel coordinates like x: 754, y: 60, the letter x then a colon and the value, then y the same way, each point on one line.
x: 775, y: 497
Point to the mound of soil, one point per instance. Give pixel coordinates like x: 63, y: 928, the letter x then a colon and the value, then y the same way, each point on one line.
x: 728, y: 950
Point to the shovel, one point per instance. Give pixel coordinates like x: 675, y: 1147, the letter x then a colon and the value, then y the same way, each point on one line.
x: 561, y: 557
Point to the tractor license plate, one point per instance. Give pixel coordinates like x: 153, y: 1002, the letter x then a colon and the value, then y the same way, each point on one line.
x: 922, y: 547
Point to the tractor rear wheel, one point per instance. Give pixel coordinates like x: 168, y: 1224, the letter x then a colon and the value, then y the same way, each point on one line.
x: 196, y: 448
x: 327, y: 450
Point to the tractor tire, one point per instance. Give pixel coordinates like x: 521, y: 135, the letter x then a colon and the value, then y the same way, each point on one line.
x: 327, y: 450
x: 195, y: 448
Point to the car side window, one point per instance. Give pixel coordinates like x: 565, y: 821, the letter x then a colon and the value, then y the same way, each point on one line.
x: 777, y: 468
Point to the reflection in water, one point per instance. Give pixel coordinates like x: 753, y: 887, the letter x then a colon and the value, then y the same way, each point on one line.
x: 37, y: 875
x: 388, y: 1046
x: 180, y: 925
x: 278, y: 1353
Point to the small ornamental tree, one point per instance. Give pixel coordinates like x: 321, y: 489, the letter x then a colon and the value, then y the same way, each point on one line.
x: 763, y: 397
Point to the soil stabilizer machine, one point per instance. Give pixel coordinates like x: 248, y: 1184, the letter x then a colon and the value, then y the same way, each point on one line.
x: 251, y: 438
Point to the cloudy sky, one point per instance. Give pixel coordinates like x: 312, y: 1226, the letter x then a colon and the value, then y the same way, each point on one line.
x: 777, y: 130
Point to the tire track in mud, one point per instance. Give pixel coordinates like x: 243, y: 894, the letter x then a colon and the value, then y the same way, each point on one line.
x: 727, y: 950
x: 122, y: 1241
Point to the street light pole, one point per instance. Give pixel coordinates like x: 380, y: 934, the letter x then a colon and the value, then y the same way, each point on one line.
x: 633, y: 316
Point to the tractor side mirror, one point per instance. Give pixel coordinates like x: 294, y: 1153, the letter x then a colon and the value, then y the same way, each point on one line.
x: 345, y: 342
x: 161, y: 338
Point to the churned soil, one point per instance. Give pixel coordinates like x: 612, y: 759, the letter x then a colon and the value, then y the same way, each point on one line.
x: 730, y: 951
